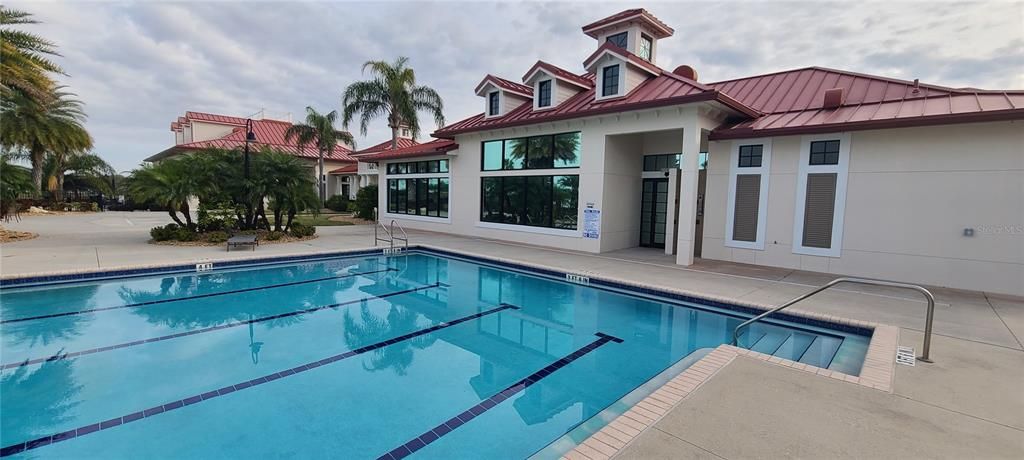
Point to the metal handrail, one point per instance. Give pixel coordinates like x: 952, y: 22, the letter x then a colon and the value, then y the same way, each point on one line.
x: 405, y: 236
x: 390, y: 239
x: 928, y: 319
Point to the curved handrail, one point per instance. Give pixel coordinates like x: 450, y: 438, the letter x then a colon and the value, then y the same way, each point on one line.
x: 928, y: 319
x: 390, y: 239
x: 405, y: 236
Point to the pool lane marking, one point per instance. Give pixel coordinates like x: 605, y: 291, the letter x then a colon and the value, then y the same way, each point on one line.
x: 439, y: 431
x: 60, y: 355
x: 81, y: 431
x: 200, y: 296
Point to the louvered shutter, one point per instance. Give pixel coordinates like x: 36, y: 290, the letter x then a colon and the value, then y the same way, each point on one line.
x: 748, y: 198
x: 819, y: 209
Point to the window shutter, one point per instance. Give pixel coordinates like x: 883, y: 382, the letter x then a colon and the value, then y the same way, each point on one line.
x: 748, y: 198
x: 819, y: 209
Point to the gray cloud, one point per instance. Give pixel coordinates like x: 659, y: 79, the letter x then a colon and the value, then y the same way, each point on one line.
x: 138, y: 66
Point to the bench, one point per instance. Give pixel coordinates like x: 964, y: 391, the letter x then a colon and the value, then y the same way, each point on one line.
x: 243, y: 240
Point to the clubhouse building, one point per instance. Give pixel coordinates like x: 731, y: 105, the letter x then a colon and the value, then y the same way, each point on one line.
x: 810, y: 169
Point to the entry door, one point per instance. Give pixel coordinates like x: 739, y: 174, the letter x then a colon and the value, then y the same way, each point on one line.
x: 653, y: 212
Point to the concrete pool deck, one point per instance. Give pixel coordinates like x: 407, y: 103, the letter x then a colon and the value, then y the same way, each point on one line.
x: 968, y: 404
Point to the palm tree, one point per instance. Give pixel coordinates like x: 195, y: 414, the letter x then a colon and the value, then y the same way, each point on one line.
x: 51, y: 126
x: 392, y: 93
x: 87, y: 170
x: 318, y: 130
x: 170, y: 183
x: 24, y: 58
x: 288, y: 185
x: 15, y: 181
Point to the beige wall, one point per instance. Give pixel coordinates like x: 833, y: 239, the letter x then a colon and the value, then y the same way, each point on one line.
x: 202, y: 131
x: 911, y: 193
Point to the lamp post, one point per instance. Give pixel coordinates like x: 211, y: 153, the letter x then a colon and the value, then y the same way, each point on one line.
x: 249, y: 137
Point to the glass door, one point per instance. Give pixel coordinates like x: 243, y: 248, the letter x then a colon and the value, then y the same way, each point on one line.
x: 653, y: 213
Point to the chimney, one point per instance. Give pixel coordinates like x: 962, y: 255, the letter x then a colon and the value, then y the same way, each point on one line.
x: 686, y: 71
x: 833, y: 98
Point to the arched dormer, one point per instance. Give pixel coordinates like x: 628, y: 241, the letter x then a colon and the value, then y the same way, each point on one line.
x: 501, y: 96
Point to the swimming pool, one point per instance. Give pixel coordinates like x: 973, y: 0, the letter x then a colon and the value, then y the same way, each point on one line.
x: 355, y: 357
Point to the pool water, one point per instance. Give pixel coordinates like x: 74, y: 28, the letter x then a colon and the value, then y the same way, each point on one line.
x: 357, y: 357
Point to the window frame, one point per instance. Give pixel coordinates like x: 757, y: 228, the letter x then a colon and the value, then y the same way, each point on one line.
x: 625, y: 33
x: 526, y: 158
x: 493, y: 103
x: 762, y: 203
x: 644, y: 38
x: 526, y: 198
x: 442, y: 201
x: 539, y: 91
x: 618, y: 80
x: 839, y: 211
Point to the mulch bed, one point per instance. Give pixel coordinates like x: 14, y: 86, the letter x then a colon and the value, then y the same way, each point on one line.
x: 262, y: 240
x: 10, y: 236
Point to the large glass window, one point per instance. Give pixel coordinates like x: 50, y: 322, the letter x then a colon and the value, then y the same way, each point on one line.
x: 537, y: 201
x: 418, y: 167
x: 610, y: 80
x: 620, y: 39
x: 492, y: 103
x: 424, y: 196
x: 537, y: 152
x: 544, y: 93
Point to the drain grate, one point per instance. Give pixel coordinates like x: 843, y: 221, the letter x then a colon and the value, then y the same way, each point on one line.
x: 905, y: 356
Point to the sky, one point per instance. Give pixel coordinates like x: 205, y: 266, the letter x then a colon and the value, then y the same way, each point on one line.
x: 138, y: 66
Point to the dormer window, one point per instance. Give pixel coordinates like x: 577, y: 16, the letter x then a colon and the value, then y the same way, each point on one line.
x: 620, y: 39
x: 492, y: 104
x: 646, y: 44
x: 610, y: 80
x: 544, y: 94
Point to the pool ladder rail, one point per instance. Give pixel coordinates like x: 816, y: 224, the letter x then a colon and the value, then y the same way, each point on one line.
x: 390, y: 236
x: 930, y: 316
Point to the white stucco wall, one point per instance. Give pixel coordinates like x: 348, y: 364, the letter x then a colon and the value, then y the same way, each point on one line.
x: 911, y: 193
x: 202, y: 131
x: 603, y: 179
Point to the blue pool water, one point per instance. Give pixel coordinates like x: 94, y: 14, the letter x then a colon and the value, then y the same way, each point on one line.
x: 357, y: 357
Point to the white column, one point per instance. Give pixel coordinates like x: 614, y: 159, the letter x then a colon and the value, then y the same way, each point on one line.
x: 688, y: 191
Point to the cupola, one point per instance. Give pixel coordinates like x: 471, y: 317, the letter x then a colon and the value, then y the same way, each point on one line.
x: 636, y: 30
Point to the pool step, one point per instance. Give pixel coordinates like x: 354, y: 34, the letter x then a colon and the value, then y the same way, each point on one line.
x: 816, y: 350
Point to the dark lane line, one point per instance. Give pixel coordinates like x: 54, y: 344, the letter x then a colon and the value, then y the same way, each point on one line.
x: 200, y: 296
x: 59, y: 356
x: 74, y: 433
x: 437, y: 432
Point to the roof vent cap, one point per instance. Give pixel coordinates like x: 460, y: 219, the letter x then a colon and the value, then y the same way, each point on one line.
x: 686, y: 71
x: 833, y: 98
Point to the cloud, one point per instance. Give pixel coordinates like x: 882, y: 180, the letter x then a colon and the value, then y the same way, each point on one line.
x: 138, y: 66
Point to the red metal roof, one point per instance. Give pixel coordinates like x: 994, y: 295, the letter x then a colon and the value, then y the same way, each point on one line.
x: 268, y: 133
x: 793, y: 102
x: 347, y: 169
x: 560, y: 74
x: 214, y: 118
x: 433, y: 147
x: 665, y: 89
x: 506, y: 85
x: 386, y: 145
x: 635, y: 14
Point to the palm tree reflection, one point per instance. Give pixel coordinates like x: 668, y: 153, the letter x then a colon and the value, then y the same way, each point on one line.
x: 49, y: 330
x: 36, y: 403
x: 371, y: 329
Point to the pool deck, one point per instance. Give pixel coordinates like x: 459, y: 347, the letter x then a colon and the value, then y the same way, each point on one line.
x: 968, y: 404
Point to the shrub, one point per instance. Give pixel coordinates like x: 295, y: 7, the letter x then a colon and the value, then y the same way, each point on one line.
x: 300, y: 230
x: 165, y: 233
x: 337, y: 203
x: 366, y: 200
x: 184, y: 234
x: 217, y: 237
x: 274, y: 236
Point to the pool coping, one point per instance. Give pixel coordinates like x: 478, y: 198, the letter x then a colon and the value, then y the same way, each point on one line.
x: 877, y: 371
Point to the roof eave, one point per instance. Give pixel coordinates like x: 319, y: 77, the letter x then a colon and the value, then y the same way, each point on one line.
x: 946, y: 119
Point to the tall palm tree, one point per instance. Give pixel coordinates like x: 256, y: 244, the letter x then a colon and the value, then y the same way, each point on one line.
x: 53, y: 126
x: 24, y: 58
x: 391, y: 93
x: 319, y: 131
